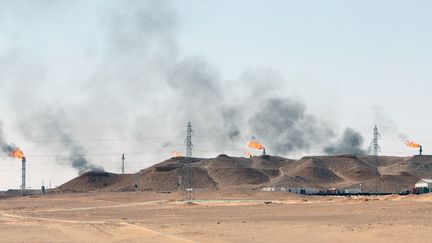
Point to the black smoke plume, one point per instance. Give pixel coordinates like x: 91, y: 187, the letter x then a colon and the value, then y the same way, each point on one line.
x: 49, y: 126
x: 135, y: 74
x: 351, y: 142
x: 5, y: 147
x: 284, y: 126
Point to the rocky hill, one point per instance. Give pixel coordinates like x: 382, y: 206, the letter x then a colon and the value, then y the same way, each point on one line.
x: 386, y: 173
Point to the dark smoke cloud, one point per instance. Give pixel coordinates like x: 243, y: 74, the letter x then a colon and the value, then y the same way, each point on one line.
x: 48, y: 126
x: 5, y: 147
x: 261, y: 81
x: 193, y: 77
x: 350, y: 143
x: 78, y: 160
x: 231, y: 121
x: 138, y: 76
x: 77, y: 154
x: 196, y: 83
x: 284, y: 126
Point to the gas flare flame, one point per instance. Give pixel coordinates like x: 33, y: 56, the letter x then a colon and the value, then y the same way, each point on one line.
x: 176, y: 154
x: 412, y: 144
x: 17, y: 153
x: 255, y: 145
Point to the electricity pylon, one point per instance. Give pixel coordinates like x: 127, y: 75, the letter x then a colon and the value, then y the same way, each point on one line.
x: 374, y: 144
x: 187, y: 170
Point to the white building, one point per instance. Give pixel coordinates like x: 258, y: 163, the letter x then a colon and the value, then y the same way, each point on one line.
x: 352, y: 191
x: 424, y: 183
x: 268, y: 189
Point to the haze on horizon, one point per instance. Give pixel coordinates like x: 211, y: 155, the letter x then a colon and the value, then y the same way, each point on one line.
x: 84, y: 82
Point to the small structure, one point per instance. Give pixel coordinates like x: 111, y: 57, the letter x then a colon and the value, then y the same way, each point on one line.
x: 424, y: 183
x: 268, y: 189
x: 293, y: 190
x: 352, y: 191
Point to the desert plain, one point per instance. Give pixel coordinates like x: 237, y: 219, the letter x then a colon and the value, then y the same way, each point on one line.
x: 215, y: 217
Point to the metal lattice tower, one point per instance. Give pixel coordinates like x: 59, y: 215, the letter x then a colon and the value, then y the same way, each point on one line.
x: 187, y: 180
x: 374, y: 144
x: 188, y: 140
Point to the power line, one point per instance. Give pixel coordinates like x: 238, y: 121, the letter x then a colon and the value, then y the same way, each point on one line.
x: 78, y: 140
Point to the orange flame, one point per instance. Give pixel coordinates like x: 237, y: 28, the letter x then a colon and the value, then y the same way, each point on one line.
x: 175, y: 154
x: 412, y: 144
x: 16, y: 153
x: 255, y: 145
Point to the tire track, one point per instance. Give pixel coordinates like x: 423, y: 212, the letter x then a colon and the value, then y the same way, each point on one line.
x: 9, y: 217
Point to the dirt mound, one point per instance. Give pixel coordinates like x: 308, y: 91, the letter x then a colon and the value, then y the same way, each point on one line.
x: 419, y: 159
x: 383, y: 174
x: 237, y: 170
x: 388, y: 183
x: 154, y: 179
x: 295, y: 182
x: 343, y: 169
x: 419, y: 166
x: 166, y: 176
x: 381, y: 161
x: 238, y: 176
x: 92, y: 181
x: 224, y: 162
x: 270, y: 162
x: 313, y: 170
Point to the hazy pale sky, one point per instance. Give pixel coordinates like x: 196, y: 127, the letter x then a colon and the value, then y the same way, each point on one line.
x: 363, y: 62
x: 352, y: 63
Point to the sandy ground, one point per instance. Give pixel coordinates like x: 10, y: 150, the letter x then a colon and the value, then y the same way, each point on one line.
x: 262, y: 217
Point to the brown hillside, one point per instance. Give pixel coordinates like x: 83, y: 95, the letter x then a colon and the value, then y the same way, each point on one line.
x: 420, y: 166
x: 388, y: 183
x: 330, y: 170
x: 382, y: 161
x: 312, y: 170
x: 92, y: 181
x: 231, y: 172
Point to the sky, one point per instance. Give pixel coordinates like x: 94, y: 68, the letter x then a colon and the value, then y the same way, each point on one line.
x: 84, y: 81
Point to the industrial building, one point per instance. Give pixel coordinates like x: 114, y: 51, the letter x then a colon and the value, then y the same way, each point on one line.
x: 424, y: 183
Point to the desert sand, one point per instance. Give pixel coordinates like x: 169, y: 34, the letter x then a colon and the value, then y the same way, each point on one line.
x: 215, y: 217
